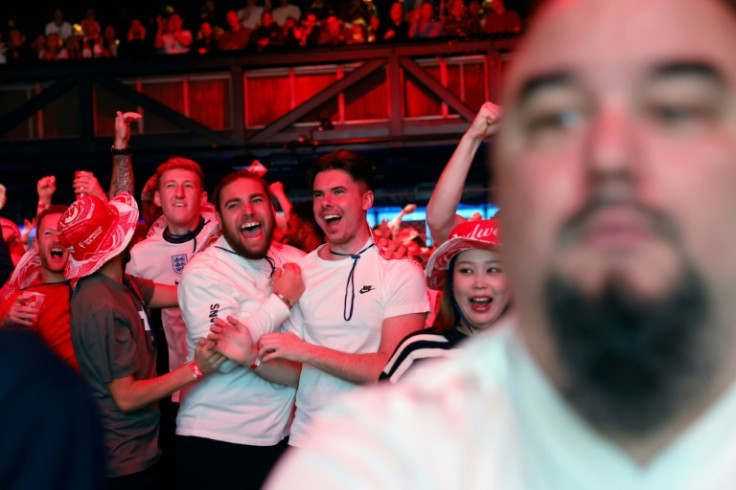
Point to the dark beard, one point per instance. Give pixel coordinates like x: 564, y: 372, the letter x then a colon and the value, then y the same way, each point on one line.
x: 244, y: 252
x: 630, y: 362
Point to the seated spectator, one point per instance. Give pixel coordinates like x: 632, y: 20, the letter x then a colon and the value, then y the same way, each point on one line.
x: 396, y: 28
x: 424, y: 24
x: 89, y: 23
x: 251, y: 14
x: 308, y: 34
x: 136, y: 45
x: 498, y: 19
x: 284, y: 11
x: 170, y: 37
x: 59, y: 26
x: 474, y: 14
x: 373, y: 27
x: 332, y: 34
x: 92, y: 42
x: 236, y: 37
x: 206, y: 41
x: 357, y: 33
x: 17, y: 51
x: 110, y: 41
x: 289, y: 30
x: 457, y: 24
x: 72, y: 50
x: 52, y: 51
x: 268, y: 34
x: 39, y: 47
x: 352, y: 10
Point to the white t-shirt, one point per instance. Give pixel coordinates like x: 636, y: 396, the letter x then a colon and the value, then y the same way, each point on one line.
x: 234, y: 404
x: 163, y: 262
x: 172, y: 44
x: 256, y: 12
x: 64, y: 30
x: 383, y: 289
x: 490, y: 419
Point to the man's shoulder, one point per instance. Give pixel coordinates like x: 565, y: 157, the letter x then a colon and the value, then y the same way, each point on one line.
x: 287, y: 252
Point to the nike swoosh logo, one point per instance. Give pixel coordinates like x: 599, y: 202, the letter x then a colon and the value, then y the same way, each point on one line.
x: 365, y: 289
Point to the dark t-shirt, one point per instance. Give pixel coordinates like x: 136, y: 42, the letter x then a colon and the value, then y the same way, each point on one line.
x: 112, y: 340
x: 49, y: 424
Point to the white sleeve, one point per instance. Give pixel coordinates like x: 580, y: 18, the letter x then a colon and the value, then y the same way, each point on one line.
x: 406, y: 290
x: 204, y: 295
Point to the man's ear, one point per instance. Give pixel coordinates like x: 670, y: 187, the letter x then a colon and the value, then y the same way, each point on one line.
x: 367, y: 200
x: 156, y: 198
x: 203, y: 199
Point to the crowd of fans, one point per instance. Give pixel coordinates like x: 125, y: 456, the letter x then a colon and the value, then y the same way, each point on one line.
x: 255, y: 27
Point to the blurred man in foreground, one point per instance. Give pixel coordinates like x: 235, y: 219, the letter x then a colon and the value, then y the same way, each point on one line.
x: 616, y: 162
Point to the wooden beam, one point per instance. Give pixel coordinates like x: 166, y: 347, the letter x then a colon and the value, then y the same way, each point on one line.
x: 432, y: 84
x: 313, y: 103
x: 165, y: 112
x: 35, y: 104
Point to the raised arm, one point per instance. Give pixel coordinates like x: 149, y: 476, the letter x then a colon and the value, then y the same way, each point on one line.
x: 446, y: 196
x: 122, y: 165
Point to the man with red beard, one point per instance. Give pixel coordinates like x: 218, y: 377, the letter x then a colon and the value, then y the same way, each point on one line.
x: 235, y: 423
x: 49, y: 316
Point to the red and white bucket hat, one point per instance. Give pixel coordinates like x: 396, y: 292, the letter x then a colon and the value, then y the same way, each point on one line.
x: 95, y: 231
x: 471, y: 234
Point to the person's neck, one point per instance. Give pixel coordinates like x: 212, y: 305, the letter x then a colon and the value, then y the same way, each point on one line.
x: 48, y: 276
x: 352, y: 246
x: 178, y: 230
x: 113, y: 269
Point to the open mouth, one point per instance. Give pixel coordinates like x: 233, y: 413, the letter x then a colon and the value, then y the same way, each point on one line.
x: 56, y: 252
x: 251, y: 229
x: 332, y: 218
x: 481, y: 303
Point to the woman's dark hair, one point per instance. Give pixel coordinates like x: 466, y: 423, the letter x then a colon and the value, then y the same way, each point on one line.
x: 447, y: 316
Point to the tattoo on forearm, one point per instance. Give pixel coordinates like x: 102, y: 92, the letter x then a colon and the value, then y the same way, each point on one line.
x: 122, y: 175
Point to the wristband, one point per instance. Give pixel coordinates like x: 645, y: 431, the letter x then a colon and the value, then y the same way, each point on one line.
x: 256, y: 363
x: 115, y: 151
x: 196, y: 372
x: 284, y: 299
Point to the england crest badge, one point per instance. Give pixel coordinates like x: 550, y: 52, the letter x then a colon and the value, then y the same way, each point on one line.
x: 178, y: 262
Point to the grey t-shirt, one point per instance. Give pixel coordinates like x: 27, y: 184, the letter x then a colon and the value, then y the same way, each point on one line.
x: 112, y: 340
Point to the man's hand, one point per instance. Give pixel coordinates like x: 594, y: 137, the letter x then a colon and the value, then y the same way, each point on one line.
x: 233, y: 340
x: 22, y: 312
x: 486, y: 122
x: 28, y: 225
x: 288, y: 282
x: 206, y: 357
x: 122, y: 128
x: 45, y: 187
x: 276, y: 188
x: 282, y: 346
x: 392, y: 249
x: 85, y: 183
